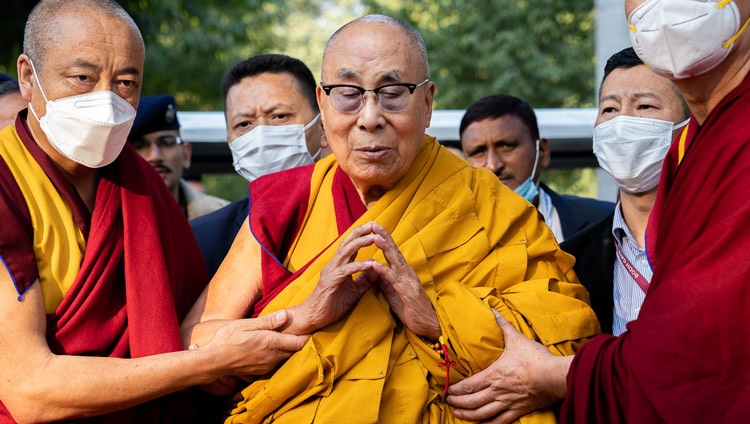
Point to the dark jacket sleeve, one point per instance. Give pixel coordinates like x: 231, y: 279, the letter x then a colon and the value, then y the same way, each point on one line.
x: 577, y: 213
x: 216, y: 231
x: 594, y: 251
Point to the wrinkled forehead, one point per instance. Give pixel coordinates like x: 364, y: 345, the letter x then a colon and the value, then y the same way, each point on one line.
x: 373, y: 51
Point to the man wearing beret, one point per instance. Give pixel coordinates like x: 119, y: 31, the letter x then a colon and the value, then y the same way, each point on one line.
x: 156, y: 137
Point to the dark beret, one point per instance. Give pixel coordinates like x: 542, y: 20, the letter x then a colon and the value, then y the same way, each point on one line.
x: 155, y: 113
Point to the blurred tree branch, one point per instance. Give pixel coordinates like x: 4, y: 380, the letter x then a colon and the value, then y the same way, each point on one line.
x: 539, y: 50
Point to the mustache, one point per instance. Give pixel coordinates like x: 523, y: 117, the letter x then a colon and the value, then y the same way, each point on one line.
x: 503, y: 175
x: 161, y: 167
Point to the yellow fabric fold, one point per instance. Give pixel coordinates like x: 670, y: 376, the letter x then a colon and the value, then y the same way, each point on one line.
x: 55, y: 229
x: 474, y: 245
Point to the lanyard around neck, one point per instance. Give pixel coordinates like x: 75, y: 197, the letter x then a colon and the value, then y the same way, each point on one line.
x: 632, y: 271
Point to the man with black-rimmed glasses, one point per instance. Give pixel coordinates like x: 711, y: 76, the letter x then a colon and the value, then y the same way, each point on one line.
x: 391, y: 254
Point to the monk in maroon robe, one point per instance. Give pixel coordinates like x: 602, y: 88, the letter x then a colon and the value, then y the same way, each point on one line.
x: 98, y: 265
x: 135, y: 284
x: 685, y: 358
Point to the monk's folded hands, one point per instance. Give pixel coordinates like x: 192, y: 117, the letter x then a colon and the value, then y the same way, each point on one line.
x: 337, y: 292
x: 402, y: 288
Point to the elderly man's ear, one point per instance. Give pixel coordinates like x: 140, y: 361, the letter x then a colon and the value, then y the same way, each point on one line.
x: 428, y: 99
x: 25, y: 76
x: 323, y: 137
x: 325, y: 148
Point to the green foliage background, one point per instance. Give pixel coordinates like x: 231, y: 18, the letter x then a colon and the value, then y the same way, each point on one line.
x: 540, y: 50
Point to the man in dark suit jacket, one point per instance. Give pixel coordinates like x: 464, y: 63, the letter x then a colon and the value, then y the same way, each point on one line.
x: 266, y: 90
x: 215, y: 232
x: 500, y: 132
x: 576, y: 213
x: 594, y: 251
x: 629, y: 92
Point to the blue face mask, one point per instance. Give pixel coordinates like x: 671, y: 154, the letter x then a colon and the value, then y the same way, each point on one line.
x: 529, y: 190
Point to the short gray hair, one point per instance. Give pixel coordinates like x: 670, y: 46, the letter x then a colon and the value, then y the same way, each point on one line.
x: 39, y: 34
x: 409, y: 31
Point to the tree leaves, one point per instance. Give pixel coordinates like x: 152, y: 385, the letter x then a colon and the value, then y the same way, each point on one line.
x: 191, y: 44
x: 540, y: 50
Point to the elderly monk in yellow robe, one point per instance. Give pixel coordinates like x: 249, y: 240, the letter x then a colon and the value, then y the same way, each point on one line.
x: 392, y: 254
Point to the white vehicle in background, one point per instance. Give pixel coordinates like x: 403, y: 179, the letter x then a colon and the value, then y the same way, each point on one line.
x: 569, y: 133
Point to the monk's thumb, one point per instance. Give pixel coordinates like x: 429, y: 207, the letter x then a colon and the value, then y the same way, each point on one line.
x: 270, y: 321
x: 507, y: 328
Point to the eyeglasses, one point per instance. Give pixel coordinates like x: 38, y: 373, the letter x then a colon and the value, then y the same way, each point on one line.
x: 347, y: 98
x: 165, y: 141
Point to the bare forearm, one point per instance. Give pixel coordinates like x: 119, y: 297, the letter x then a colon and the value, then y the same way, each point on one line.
x: 299, y: 321
x: 68, y: 387
x: 201, y: 333
x: 553, y: 376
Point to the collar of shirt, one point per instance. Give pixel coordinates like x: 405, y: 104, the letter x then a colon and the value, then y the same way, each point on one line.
x: 549, y: 212
x: 620, y: 230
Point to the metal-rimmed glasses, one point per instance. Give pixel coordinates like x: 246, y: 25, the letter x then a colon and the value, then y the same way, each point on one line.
x: 165, y: 141
x: 348, y: 98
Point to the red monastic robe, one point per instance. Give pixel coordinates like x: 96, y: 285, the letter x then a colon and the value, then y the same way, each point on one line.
x: 686, y: 357
x: 276, y: 218
x: 140, y: 275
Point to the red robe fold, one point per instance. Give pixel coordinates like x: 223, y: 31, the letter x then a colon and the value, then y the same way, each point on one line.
x: 141, y: 273
x: 276, y: 217
x: 685, y: 359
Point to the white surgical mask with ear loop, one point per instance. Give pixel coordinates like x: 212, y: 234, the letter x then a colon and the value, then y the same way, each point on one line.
x: 529, y: 190
x: 631, y: 150
x: 90, y: 129
x: 271, y: 148
x: 684, y: 38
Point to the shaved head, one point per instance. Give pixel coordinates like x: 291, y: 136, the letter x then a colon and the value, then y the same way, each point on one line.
x: 420, y: 50
x: 42, y: 26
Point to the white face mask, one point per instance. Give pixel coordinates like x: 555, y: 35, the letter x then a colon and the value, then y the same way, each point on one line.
x: 271, y: 148
x: 684, y: 38
x: 90, y: 129
x: 631, y: 150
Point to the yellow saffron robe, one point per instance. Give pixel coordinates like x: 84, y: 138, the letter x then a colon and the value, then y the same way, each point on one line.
x: 475, y: 245
x: 58, y: 243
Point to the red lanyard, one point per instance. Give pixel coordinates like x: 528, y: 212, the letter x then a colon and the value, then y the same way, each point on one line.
x: 632, y: 271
